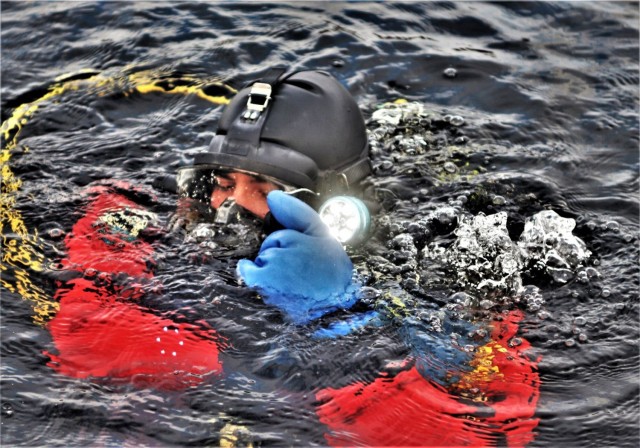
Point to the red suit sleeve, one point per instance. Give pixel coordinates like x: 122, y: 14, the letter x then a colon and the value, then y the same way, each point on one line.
x: 493, y: 404
x: 100, y: 331
x: 97, y: 335
x: 106, y: 239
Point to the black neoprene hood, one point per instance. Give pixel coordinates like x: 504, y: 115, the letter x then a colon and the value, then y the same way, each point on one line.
x: 311, y: 134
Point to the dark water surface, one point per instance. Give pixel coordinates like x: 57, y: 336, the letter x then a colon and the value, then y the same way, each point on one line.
x: 512, y: 107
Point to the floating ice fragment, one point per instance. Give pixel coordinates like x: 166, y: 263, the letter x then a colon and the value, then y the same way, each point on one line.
x: 485, y: 262
x: 483, y: 256
x: 547, y: 238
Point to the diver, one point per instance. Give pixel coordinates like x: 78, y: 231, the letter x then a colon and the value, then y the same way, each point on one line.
x: 290, y: 153
x: 297, y: 134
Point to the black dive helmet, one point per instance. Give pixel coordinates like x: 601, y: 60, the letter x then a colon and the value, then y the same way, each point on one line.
x: 302, y: 129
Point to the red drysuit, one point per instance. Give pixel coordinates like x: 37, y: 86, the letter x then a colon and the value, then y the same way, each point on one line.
x: 492, y: 405
x: 100, y: 330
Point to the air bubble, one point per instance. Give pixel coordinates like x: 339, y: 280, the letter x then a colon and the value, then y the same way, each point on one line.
x: 202, y: 232
x: 450, y: 72
x: 7, y: 410
x: 450, y: 167
x: 456, y: 120
x: 515, y: 342
x: 582, y: 277
x: 386, y: 165
x: 533, y: 307
x: 387, y: 116
x: 582, y: 337
x: 499, y: 200
x: 208, y: 245
x: 605, y: 292
x: 56, y: 233
x: 592, y: 273
x: 613, y: 225
x: 570, y: 342
x: 542, y: 315
x: 560, y: 275
x: 369, y: 294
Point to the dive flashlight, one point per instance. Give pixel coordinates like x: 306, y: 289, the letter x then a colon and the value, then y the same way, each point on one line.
x: 347, y: 217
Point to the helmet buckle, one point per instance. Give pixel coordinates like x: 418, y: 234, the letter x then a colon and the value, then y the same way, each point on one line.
x: 259, y: 98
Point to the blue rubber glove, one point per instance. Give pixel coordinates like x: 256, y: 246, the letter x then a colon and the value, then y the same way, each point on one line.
x: 302, y: 270
x: 348, y: 326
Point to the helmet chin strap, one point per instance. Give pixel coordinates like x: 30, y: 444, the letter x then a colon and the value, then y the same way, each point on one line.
x: 300, y: 190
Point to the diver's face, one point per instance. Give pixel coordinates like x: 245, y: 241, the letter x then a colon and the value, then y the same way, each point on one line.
x: 248, y: 191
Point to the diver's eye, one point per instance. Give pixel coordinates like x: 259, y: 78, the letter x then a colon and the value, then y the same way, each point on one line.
x: 225, y: 185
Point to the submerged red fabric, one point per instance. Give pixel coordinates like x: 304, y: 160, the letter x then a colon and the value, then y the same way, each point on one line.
x: 494, y: 404
x: 100, y: 331
x: 95, y: 243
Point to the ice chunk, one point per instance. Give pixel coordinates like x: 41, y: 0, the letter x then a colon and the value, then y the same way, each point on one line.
x: 548, y: 238
x: 483, y: 255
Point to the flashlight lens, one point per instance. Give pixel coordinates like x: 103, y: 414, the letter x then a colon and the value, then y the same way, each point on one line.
x: 347, y: 217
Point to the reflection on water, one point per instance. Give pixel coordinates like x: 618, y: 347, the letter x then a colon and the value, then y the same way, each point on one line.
x: 503, y: 266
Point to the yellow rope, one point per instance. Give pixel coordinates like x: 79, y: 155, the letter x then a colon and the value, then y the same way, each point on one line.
x: 22, y: 249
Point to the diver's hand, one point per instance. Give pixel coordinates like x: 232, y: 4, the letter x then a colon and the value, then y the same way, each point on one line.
x: 302, y: 270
